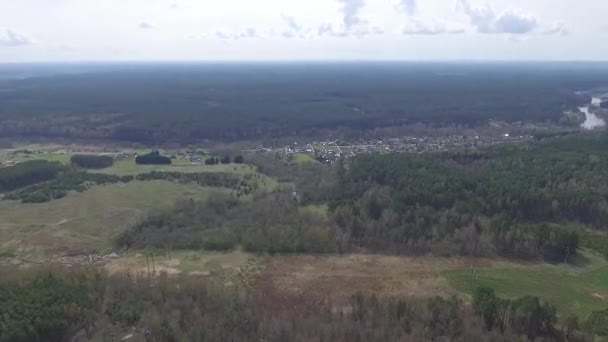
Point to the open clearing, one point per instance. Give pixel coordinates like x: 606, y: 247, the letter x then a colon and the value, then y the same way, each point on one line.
x: 86, y: 221
x: 302, y: 158
x: 341, y: 276
x: 572, y: 289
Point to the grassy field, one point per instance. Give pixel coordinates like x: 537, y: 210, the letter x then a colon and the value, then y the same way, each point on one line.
x: 302, y: 158
x: 129, y: 167
x: 190, y: 262
x: 81, y: 222
x: 318, y: 209
x: 572, y: 289
x: 21, y: 157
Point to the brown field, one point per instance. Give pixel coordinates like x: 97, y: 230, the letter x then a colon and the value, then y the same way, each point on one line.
x: 322, y: 276
x: 342, y: 276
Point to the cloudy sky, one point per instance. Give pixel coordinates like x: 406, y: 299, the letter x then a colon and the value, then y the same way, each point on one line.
x: 100, y: 30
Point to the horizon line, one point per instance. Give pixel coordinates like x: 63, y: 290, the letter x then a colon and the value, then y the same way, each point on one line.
x: 300, y: 61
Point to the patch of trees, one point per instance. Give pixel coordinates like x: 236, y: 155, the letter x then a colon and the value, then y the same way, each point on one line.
x: 242, y: 185
x: 42, y: 304
x: 28, y: 173
x: 268, y: 223
x: 226, y: 159
x: 44, y: 308
x: 314, y: 182
x: 212, y: 161
x: 91, y: 161
x: 524, y: 316
x: 597, y: 323
x: 153, y: 158
x: 81, y: 181
x: 59, y: 187
x: 596, y: 242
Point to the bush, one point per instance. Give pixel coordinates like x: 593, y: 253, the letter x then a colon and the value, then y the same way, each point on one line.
x: 92, y: 162
x: 597, y: 323
x: 153, y: 158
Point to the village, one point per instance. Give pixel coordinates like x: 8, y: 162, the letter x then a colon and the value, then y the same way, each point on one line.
x: 328, y: 152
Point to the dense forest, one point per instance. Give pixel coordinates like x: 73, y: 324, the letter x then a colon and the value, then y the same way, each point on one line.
x: 525, y: 200
x: 185, y: 103
x: 529, y: 201
x: 43, y: 304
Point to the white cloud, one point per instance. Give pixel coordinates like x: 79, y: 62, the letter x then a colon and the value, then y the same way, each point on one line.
x: 291, y: 23
x: 327, y: 30
x: 433, y: 27
x: 10, y: 37
x: 145, y: 26
x: 485, y: 20
x: 418, y: 26
x: 288, y: 34
x: 557, y: 28
x: 294, y: 29
x: 249, y: 33
x: 409, y: 7
x: 350, y: 11
x: 225, y: 36
x: 315, y: 28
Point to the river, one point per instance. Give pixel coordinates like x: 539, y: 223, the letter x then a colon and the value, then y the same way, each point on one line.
x: 591, y: 120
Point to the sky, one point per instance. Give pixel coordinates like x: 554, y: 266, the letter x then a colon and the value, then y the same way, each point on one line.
x: 251, y: 30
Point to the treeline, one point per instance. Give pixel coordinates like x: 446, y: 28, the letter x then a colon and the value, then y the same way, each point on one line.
x: 239, y: 159
x: 152, y: 158
x: 59, y: 187
x: 242, y: 185
x: 27, y: 173
x: 91, y: 161
x: 530, y: 317
x: 81, y: 181
x: 84, y: 304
